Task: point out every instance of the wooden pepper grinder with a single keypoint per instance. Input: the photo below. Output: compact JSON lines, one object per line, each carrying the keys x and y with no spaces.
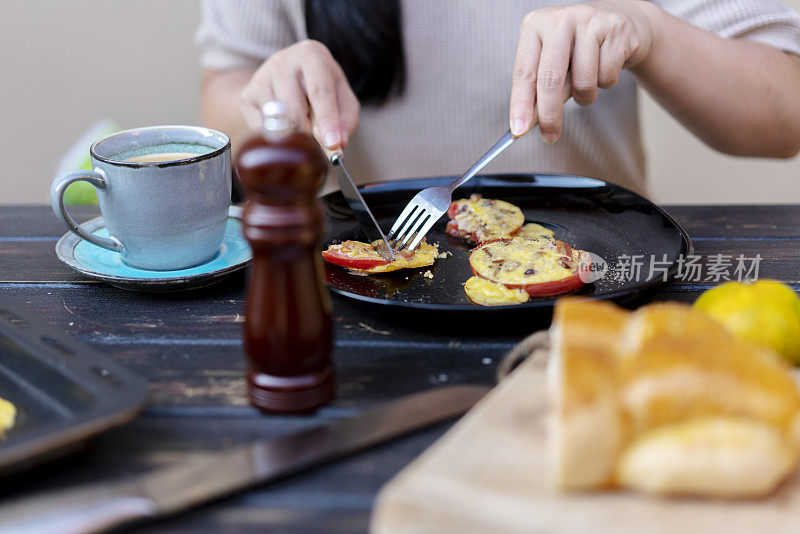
{"x":287,"y":326}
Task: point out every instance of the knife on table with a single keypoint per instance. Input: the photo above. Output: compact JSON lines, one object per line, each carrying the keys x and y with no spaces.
{"x":360,"y":209}
{"x":169,"y":490}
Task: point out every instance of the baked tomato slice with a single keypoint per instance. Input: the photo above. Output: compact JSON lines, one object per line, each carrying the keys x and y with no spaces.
{"x":541,"y":267}
{"x":353,"y":255}
{"x":479,"y":219}
{"x":556,"y":287}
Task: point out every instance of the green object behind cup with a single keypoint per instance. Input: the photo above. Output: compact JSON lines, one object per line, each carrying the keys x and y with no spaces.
{"x":80,"y":194}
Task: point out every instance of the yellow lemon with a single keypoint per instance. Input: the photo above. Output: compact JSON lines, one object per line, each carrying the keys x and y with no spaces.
{"x":765,"y":313}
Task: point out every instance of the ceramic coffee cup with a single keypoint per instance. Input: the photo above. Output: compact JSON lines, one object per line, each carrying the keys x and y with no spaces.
{"x":161,"y":215}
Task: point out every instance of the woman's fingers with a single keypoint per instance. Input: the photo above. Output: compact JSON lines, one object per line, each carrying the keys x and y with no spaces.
{"x":287,"y":89}
{"x":552,"y":75}
{"x":349,"y":108}
{"x":320,"y":87}
{"x":306,"y":78}
{"x":572,"y":50}
{"x":612,"y":59}
{"x":584,"y":67}
{"x":254,"y":96}
{"x":523,"y":80}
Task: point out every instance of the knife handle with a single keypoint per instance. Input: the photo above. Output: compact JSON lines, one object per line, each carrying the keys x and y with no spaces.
{"x":96,"y":508}
{"x":332,"y":155}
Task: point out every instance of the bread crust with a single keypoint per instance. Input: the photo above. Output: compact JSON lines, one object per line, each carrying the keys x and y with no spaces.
{"x":663,"y":400}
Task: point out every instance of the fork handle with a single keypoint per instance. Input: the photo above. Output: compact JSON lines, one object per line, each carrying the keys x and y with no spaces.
{"x":504,"y":142}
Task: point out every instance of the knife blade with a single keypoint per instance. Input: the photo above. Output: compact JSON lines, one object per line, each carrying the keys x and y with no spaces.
{"x":360,"y":209}
{"x":169,"y":490}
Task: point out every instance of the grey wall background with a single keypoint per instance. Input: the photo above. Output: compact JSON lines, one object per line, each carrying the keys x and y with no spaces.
{"x":66,"y":64}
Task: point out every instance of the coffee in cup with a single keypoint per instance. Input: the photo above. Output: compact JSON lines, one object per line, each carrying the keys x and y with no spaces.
{"x":160,"y":157}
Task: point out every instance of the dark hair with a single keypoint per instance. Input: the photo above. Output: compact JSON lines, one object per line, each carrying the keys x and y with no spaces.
{"x":365,"y":38}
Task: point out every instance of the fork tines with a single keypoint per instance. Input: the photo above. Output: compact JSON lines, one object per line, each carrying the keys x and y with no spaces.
{"x":414,"y":222}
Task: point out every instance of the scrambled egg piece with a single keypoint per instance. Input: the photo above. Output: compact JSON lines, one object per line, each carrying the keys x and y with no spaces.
{"x":8,"y":415}
{"x":487,"y":293}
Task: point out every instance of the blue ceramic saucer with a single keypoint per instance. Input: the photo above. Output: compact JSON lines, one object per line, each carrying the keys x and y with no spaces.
{"x":101,"y":264}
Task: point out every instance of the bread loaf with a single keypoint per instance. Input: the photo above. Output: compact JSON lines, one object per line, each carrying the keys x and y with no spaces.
{"x":663,"y":400}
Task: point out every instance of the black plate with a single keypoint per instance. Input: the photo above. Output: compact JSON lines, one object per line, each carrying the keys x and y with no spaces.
{"x":64,"y":391}
{"x":593,"y":215}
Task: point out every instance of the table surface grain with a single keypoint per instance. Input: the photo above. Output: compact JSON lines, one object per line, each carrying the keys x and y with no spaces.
{"x":189,"y":347}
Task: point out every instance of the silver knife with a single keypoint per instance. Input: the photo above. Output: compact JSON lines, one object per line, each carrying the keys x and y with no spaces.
{"x":168,"y":490}
{"x":360,"y":209}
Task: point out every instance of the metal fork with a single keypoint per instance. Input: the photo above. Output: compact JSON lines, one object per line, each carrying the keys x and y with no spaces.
{"x":430,"y":204}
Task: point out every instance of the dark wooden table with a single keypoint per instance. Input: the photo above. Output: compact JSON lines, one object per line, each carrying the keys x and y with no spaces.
{"x":189,"y":347}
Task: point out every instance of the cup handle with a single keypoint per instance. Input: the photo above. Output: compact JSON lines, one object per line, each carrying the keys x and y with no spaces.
{"x":60,"y":185}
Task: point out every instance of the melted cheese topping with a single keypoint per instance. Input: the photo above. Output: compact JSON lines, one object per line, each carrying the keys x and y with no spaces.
{"x":487,"y":219}
{"x":8,"y":414}
{"x":522,"y":261}
{"x":357,"y":250}
{"x":423,"y":256}
{"x":486,"y":293}
{"x":535,"y":231}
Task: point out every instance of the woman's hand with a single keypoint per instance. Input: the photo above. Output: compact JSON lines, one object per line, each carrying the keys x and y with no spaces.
{"x":308,"y":80}
{"x":592,"y":42}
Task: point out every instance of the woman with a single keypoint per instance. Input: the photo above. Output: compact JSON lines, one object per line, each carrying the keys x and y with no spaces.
{"x":420,"y":88}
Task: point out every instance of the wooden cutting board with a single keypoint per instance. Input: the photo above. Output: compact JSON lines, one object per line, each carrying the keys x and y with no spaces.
{"x":486,"y":475}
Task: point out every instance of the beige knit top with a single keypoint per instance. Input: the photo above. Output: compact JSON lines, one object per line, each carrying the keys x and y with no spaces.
{"x":459,"y":57}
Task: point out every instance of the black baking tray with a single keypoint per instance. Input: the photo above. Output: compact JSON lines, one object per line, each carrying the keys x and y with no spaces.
{"x":590,"y":214}
{"x":65,"y":392}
